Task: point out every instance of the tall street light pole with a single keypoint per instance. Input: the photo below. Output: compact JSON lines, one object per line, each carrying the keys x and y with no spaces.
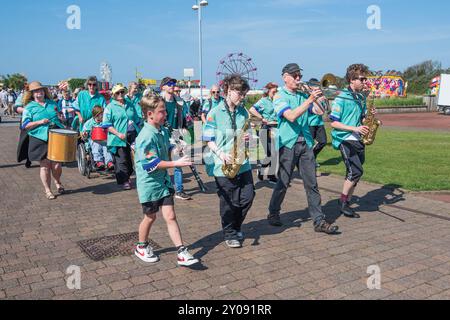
{"x":198,"y":7}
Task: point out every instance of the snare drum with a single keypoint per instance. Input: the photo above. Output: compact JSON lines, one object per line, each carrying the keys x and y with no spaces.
{"x":62,"y":145}
{"x":99,"y":134}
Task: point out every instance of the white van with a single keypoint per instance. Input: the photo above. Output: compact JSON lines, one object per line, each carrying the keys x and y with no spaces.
{"x":444,"y":94}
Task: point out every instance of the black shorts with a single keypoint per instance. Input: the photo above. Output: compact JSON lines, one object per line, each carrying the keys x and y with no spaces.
{"x":152,"y":207}
{"x":353,"y":154}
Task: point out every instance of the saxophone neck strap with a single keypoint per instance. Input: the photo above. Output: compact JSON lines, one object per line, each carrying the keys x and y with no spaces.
{"x":232,"y":116}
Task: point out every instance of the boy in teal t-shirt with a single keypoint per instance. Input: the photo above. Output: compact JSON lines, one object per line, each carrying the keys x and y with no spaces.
{"x":222,"y":130}
{"x":347,"y":112}
{"x":154,"y":187}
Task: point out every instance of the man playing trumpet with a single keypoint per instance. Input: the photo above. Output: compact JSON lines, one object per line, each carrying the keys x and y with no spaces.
{"x":295,"y":144}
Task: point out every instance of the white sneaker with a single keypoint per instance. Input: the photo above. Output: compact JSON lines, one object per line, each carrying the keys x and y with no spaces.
{"x":233,"y":243}
{"x":184,"y":258}
{"x":146,"y":254}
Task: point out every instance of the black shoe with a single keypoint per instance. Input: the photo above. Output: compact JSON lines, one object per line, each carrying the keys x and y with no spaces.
{"x":274,"y":220}
{"x":260,"y":176}
{"x":347,"y":211}
{"x":182,"y":196}
{"x":28,"y":164}
{"x":325,"y":227}
{"x":273,"y":180}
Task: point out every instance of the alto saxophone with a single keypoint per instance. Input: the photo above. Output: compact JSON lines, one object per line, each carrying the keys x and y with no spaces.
{"x":239,"y":154}
{"x":371,"y":122}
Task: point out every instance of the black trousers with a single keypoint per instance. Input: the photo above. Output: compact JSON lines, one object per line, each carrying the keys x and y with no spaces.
{"x":236,"y":198}
{"x":122,"y":164}
{"x":320,"y":135}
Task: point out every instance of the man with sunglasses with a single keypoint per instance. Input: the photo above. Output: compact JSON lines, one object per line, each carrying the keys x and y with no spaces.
{"x":347,"y":112}
{"x":295,"y":144}
{"x":211,"y":103}
{"x":177,"y":110}
{"x":88,"y":99}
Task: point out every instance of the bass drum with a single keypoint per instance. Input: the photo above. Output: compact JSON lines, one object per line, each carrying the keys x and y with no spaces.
{"x":62,"y":145}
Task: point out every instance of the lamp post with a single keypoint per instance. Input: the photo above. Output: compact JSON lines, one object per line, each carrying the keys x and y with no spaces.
{"x":198,"y":7}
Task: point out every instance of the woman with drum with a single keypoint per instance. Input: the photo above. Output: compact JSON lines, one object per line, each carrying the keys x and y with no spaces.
{"x":264,"y":111}
{"x":39,"y":115}
{"x":122,"y":119}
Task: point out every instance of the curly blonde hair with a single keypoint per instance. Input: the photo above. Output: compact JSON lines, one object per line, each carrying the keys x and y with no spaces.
{"x":28,"y":97}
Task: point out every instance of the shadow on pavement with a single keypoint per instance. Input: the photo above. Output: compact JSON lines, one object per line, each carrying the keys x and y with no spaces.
{"x":370,"y":202}
{"x":252,"y":231}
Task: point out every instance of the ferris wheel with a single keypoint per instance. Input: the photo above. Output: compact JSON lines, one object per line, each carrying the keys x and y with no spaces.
{"x":237,"y":63}
{"x":106,"y":71}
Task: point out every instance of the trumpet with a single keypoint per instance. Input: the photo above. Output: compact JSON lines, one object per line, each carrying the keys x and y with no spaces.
{"x":329,"y":89}
{"x":309,"y":87}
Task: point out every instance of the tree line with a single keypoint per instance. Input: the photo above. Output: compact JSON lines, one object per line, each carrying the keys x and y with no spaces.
{"x":418,"y":77}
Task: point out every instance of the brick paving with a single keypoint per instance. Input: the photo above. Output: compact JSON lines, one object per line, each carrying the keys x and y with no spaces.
{"x":39,"y":242}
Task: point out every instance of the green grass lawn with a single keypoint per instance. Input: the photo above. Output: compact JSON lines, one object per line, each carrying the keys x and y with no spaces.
{"x":413,"y":160}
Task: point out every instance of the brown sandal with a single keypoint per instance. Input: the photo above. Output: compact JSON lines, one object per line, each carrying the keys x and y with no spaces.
{"x":60,"y":189}
{"x":50,"y":196}
{"x":326,"y":227}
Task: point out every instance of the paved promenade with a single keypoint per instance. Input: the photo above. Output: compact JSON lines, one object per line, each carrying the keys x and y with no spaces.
{"x":406,"y":236}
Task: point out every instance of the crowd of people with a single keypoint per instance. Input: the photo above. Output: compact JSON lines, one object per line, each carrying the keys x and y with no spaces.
{"x":139,"y":127}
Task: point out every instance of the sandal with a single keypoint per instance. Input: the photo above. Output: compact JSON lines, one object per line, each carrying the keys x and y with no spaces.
{"x":50,"y":196}
{"x":325,"y":227}
{"x":60,"y":189}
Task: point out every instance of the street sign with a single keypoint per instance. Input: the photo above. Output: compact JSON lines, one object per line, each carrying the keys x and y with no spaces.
{"x":188,"y":73}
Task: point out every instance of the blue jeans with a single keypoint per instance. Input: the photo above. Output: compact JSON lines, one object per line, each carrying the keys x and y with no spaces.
{"x":178,"y":179}
{"x":100,"y":152}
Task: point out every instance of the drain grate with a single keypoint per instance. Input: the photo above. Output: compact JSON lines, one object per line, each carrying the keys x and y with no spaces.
{"x":112,"y":246}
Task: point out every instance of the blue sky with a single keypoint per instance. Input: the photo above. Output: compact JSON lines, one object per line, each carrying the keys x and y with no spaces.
{"x":161,"y":37}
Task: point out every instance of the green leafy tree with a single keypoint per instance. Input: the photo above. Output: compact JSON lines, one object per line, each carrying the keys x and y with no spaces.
{"x":76,"y":83}
{"x":420,"y":75}
{"x":14,"y":81}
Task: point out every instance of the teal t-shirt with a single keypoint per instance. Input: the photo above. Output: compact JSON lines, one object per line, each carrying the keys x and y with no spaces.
{"x":347,"y":112}
{"x":34,"y":112}
{"x":289,"y":132}
{"x":91,"y":123}
{"x":218,"y":128}
{"x":86,"y":103}
{"x":265,"y":108}
{"x":119,"y":117}
{"x":135,"y":101}
{"x":210,"y":104}
{"x":152,"y":147}
{"x":315,"y":120}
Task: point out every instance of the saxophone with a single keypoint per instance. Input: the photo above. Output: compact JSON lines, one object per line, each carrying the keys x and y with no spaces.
{"x":372,"y":122}
{"x":239,"y":154}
